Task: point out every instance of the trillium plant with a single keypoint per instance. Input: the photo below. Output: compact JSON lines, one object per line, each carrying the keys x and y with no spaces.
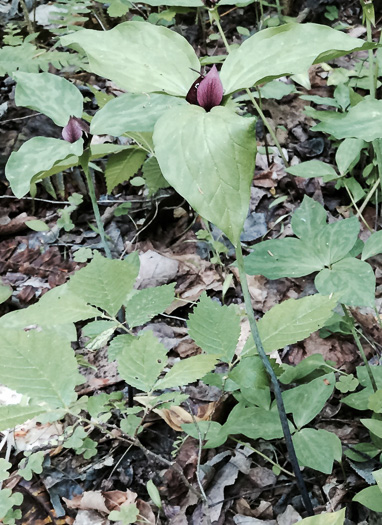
{"x":205,"y":149}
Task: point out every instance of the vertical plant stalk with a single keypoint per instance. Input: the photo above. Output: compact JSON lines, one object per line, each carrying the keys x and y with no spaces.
{"x":27,"y":17}
{"x":275,"y":384}
{"x":84,"y":161}
{"x":360,"y":348}
{"x":216,"y":18}
{"x":371,"y":59}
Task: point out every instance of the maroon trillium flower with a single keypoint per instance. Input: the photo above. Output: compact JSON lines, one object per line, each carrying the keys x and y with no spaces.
{"x":206,"y":91}
{"x":74,"y":129}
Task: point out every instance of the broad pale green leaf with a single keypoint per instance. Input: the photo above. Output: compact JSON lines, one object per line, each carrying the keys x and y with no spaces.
{"x":212,"y":431}
{"x":5,"y":292}
{"x":361,"y":122}
{"x":13,"y":415}
{"x":359,"y":400}
{"x":287,"y":257}
{"x":122,"y":166}
{"x":374,"y":425}
{"x":42,"y":366}
{"x":153,"y":176}
{"x":353,"y":280}
{"x":294,"y":320}
{"x":328,"y":518}
{"x":335,"y":241}
{"x":54,"y":313}
{"x":209,"y":159}
{"x":139,"y":57}
{"x":141,"y":361}
{"x":304,"y":368}
{"x":187,"y":371}
{"x":145,"y":304}
{"x":306,"y":401}
{"x":105,"y":283}
{"x":309,"y":218}
{"x":254,"y":422}
{"x":317,"y":449}
{"x":370,"y":497}
{"x":132,"y":112}
{"x":267,"y":54}
{"x":373,"y":245}
{"x":36,"y":155}
{"x":348,"y":154}
{"x":314,"y":168}
{"x":49,"y":94}
{"x":215,"y":328}
{"x":37,"y":225}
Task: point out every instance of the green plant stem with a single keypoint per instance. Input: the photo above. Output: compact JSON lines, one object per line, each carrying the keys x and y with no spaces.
{"x":215,"y":16}
{"x":26,"y":16}
{"x":371,"y":60}
{"x":276,"y":387}
{"x":264,"y":456}
{"x":360,"y":349}
{"x":84,"y":161}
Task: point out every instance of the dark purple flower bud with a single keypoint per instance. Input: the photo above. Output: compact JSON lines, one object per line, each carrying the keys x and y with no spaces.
{"x":74,"y":129}
{"x":192,"y":97}
{"x":210,"y":90}
{"x":210,"y":3}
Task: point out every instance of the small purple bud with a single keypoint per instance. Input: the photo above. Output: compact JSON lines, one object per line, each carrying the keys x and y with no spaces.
{"x":192,"y":93}
{"x":210,"y":3}
{"x":210,"y":91}
{"x":74,"y":129}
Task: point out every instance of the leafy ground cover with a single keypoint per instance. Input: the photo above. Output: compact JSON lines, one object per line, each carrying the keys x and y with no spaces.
{"x":189,"y":254}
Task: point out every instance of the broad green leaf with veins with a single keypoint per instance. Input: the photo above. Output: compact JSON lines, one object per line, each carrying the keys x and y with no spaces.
{"x":139,"y":57}
{"x":13,"y":415}
{"x":209,"y":159}
{"x":36,"y":155}
{"x":49,"y":94}
{"x":285,"y":50}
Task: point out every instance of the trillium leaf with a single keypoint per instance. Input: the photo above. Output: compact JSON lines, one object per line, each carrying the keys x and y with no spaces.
{"x":309,"y":218}
{"x":267,"y":54}
{"x":352,"y":279}
{"x":49,"y":94}
{"x":373,"y":245}
{"x":132,"y":112}
{"x":139,"y":57}
{"x":361,"y":122}
{"x":209,"y":159}
{"x":34,"y":156}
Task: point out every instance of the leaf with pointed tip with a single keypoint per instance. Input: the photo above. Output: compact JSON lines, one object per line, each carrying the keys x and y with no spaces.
{"x":13,"y":415}
{"x":187,"y":371}
{"x":105,"y":283}
{"x":36,"y":155}
{"x":132,"y":112}
{"x":373,"y":245}
{"x":313,"y":168}
{"x":309,"y":218}
{"x":317,"y":449}
{"x":139,"y":57}
{"x":145,"y":304}
{"x":209,"y":159}
{"x":49,"y":94}
{"x":122,"y":166}
{"x":267,"y":54}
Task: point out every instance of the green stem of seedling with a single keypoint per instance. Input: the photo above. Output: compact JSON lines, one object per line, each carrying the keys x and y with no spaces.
{"x":264,"y":456}
{"x":371,"y":60}
{"x":215,"y":16}
{"x":84,"y":161}
{"x":360,"y":349}
{"x":276,"y":387}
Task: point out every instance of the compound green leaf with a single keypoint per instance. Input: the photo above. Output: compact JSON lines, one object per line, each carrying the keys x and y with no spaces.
{"x":105,"y":283}
{"x":317,"y":449}
{"x":187,"y":371}
{"x":313,"y":168}
{"x":373,"y":245}
{"x":215,"y":328}
{"x":122,"y":166}
{"x":132,"y":112}
{"x":141,"y":361}
{"x":335,"y":241}
{"x":370,"y":497}
{"x":54,"y":313}
{"x":145,"y":304}
{"x":294,"y":320}
{"x":309,"y":218}
{"x":13,"y":415}
{"x":267,"y":54}
{"x":139,"y":57}
{"x":287,"y":257}
{"x":328,"y":518}
{"x":361,"y":122}
{"x":353,"y":280}
{"x":209,"y":159}
{"x":306,"y":401}
{"x":49,"y":94}
{"x":36,"y":155}
{"x":42,"y":366}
